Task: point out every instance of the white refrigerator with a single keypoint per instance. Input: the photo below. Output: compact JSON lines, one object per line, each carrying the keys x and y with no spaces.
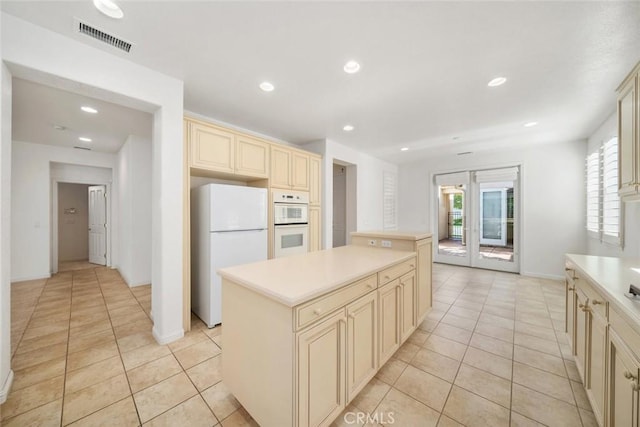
{"x":228,"y":227}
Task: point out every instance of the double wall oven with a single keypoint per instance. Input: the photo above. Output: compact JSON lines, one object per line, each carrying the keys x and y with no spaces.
{"x":291,"y":227}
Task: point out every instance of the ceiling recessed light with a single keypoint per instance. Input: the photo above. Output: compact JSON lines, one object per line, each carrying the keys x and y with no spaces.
{"x":530,"y":124}
{"x":267,"y":87}
{"x":351,"y":67}
{"x":348,"y":128}
{"x":109,"y":8}
{"x":84,"y":139}
{"x":497,"y":81}
{"x":88,"y":109}
{"x":404,"y":149}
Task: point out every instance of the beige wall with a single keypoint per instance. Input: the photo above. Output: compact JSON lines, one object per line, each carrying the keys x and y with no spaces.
{"x":73,"y":229}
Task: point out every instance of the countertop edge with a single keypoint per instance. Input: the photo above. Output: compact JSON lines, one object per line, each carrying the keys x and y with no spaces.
{"x":630,"y":315}
{"x":291,"y":303}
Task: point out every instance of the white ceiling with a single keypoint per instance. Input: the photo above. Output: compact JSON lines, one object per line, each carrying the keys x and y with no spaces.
{"x":37,"y":108}
{"x":425,"y":66}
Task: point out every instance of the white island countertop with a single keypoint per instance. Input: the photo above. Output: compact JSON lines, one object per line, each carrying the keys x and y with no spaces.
{"x":296,"y":279}
{"x":400,"y":235}
{"x":613,"y":276}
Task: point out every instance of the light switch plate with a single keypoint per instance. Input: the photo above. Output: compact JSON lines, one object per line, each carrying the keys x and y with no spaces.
{"x":386,"y":243}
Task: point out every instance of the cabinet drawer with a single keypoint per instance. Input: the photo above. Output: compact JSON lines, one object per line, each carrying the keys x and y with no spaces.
{"x":385,"y":276}
{"x":596,"y":302}
{"x":311,"y":311}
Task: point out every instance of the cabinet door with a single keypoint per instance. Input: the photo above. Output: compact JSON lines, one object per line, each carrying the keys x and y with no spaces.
{"x":280,"y":167}
{"x":570,"y":313}
{"x":407,"y":313}
{"x":211,"y":148}
{"x":299,"y":171}
{"x":362,"y":343}
{"x":628,"y":136}
{"x":623,"y":384}
{"x":597,"y":364}
{"x":423,"y":272}
{"x":315,"y":181}
{"x":315,"y":229}
{"x":582,"y":333}
{"x":388,"y":301}
{"x":321,"y":372}
{"x":252,"y":157}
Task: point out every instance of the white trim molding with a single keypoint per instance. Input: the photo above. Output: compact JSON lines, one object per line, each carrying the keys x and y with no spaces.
{"x":167,"y":338}
{"x":6,"y":387}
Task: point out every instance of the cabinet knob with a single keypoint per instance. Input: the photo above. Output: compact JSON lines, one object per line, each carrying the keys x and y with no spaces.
{"x":580,"y":305}
{"x":369,"y":286}
{"x":596,"y":302}
{"x":386,"y":277}
{"x":317,"y":311}
{"x":412,"y":266}
{"x":571,"y":289}
{"x":628,"y":375}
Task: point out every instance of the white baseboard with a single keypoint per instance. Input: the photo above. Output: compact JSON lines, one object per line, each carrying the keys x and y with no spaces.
{"x":162,"y":340}
{"x":36,"y":277}
{"x":6,"y":387}
{"x":542,"y":275}
{"x":142,"y":283}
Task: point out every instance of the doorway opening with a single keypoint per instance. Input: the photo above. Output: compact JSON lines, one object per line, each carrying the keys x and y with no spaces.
{"x":477,"y":218}
{"x":344,"y":202}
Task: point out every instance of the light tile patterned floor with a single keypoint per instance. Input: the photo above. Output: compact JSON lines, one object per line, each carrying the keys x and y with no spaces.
{"x":492,"y":352}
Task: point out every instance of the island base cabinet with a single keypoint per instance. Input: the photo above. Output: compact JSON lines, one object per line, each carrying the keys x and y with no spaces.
{"x":581,"y":334}
{"x":623,"y":384}
{"x":362,"y":343}
{"x":389,"y":301}
{"x":321,"y":372}
{"x":424,"y":276}
{"x":408,"y":306}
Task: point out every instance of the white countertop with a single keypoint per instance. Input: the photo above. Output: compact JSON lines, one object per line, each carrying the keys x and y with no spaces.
{"x":400,"y":235}
{"x":296,"y":279}
{"x":613,"y":276}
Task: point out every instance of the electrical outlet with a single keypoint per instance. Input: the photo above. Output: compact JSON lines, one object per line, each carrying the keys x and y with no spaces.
{"x":372,"y":242}
{"x":386,"y":243}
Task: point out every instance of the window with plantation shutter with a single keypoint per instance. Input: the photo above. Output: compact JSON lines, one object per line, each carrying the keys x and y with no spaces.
{"x":610,"y":198}
{"x":389,"y":190}
{"x":593,"y":193}
{"x":604,"y":220}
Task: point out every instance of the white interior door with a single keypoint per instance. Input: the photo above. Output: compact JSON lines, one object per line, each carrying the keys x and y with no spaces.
{"x":98,"y":224}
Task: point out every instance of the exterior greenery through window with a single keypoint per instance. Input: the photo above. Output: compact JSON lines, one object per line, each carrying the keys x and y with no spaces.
{"x":604,"y":221}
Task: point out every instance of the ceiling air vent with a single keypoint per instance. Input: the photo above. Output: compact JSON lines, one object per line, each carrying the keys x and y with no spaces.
{"x":104,"y":37}
{"x":81,"y":148}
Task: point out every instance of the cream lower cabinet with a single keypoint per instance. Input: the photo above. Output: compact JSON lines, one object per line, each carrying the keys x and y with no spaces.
{"x":623,"y":384}
{"x":389,"y":300}
{"x":407,"y":320}
{"x":424,"y":249}
{"x":581,"y":333}
{"x":362,"y":343}
{"x":570,"y":312}
{"x":596,"y":363}
{"x":321,"y":371}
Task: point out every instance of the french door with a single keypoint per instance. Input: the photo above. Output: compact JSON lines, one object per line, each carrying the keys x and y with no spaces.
{"x":477,"y":218}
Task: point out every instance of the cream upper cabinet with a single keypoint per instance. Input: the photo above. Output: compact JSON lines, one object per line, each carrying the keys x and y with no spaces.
{"x":289,"y":169}
{"x":362,"y":343}
{"x":280,"y":167}
{"x":252,"y":157}
{"x":211,"y":148}
{"x":629,"y":137}
{"x":315,"y":229}
{"x":299,"y":171}
{"x":315,"y":180}
{"x":321,"y":370}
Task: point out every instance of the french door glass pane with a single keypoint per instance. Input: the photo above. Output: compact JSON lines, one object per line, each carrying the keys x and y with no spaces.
{"x":492,"y":215}
{"x":452,"y":239}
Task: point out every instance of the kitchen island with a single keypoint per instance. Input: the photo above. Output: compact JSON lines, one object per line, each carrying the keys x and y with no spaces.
{"x":304,"y":334}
